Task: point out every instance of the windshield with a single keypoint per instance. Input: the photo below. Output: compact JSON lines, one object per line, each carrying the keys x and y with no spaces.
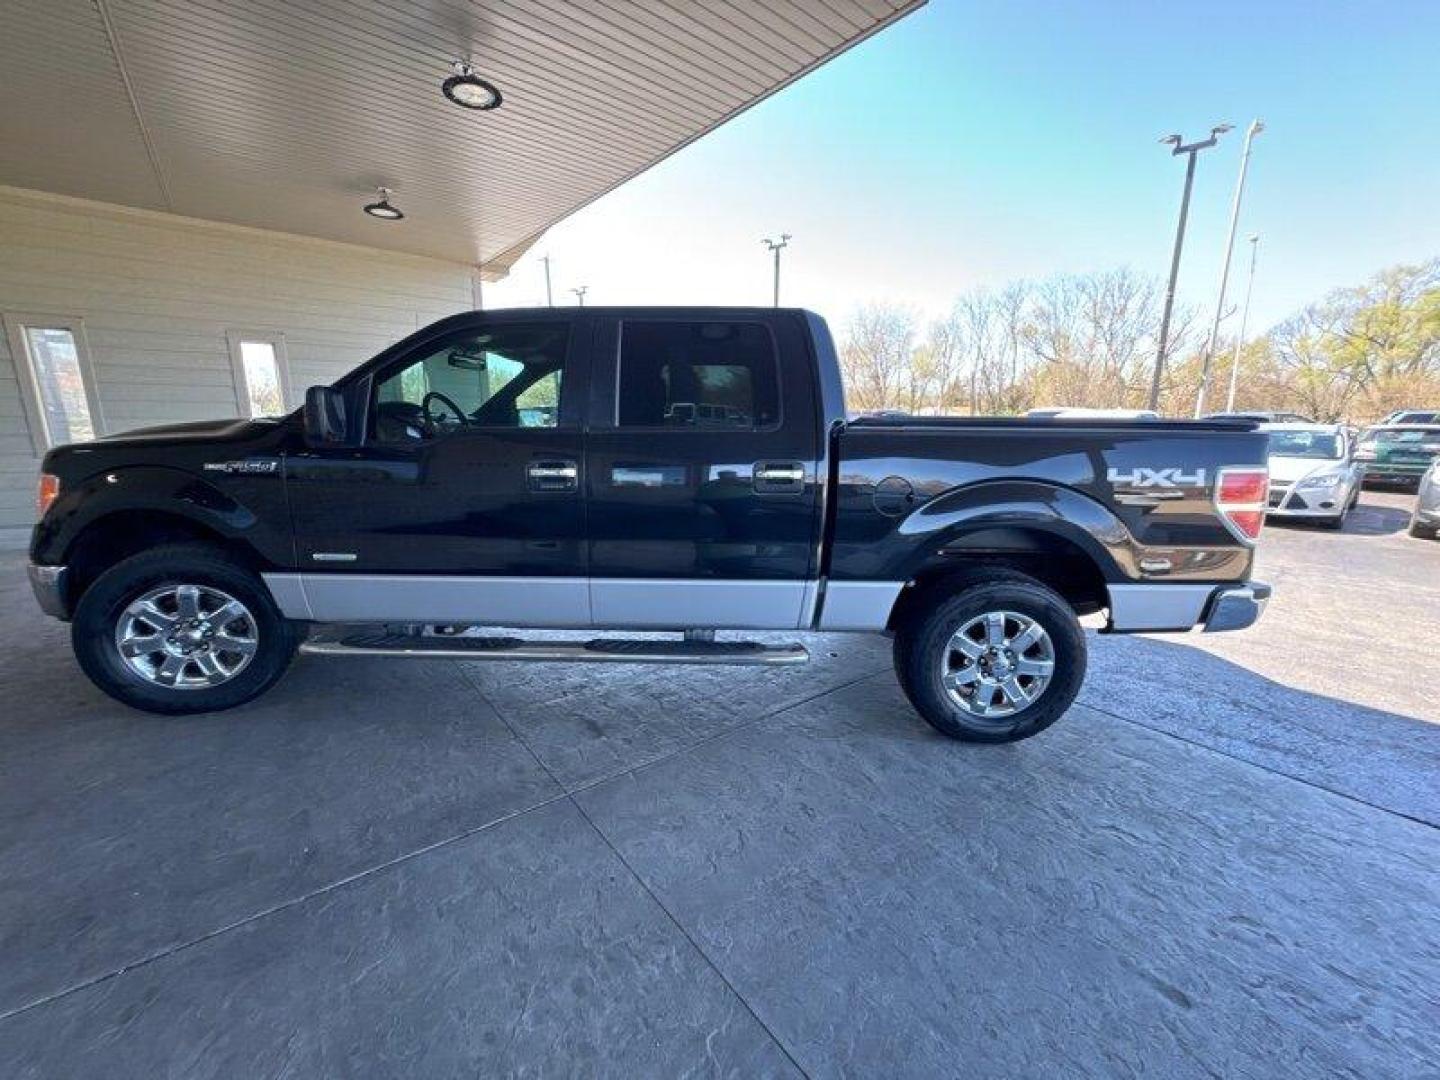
{"x":1306,"y":444}
{"x":1393,"y":436}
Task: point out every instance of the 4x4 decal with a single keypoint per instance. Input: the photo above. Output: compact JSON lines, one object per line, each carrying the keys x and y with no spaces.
{"x":1155,"y":478}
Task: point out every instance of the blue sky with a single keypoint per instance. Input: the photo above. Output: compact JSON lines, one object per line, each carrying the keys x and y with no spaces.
{"x":977,"y":142}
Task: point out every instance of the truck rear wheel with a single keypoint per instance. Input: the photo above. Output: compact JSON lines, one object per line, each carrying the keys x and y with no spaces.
{"x":999,"y":660}
{"x":181,"y":629}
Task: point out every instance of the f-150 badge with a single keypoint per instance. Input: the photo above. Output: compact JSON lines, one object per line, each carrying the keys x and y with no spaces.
{"x":1156,"y":478}
{"x":250,"y":466}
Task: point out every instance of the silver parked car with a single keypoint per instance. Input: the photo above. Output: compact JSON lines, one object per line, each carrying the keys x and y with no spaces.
{"x":1313,"y":473}
{"x":1425,"y":518}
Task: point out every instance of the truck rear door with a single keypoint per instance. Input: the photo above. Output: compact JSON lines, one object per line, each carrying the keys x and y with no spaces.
{"x":701,"y":468}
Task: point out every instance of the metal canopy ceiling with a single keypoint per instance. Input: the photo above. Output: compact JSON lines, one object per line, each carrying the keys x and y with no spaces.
{"x":288,"y":114}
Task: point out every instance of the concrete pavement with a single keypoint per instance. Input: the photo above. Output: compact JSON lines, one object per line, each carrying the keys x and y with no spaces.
{"x":1223,"y":862}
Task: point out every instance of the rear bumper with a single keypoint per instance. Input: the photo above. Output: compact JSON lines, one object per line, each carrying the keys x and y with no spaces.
{"x":1157,"y":607}
{"x":48,"y":585}
{"x":1236,"y":608}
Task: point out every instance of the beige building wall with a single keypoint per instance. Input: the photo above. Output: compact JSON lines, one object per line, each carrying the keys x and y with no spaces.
{"x":159,"y":299}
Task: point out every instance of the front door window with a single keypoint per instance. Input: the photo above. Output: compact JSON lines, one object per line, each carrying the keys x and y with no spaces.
{"x":506,"y":377}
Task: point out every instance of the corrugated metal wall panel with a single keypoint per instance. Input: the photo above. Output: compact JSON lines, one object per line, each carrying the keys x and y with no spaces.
{"x":287,"y":114}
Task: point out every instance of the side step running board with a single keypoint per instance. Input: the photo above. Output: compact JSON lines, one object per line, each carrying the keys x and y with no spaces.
{"x":602,"y":650}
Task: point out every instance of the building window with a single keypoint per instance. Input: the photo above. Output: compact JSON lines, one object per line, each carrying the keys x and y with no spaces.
{"x":56,"y":380}
{"x":261,"y":380}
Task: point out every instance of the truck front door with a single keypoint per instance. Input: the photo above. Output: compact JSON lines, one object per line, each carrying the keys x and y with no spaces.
{"x":465,"y":503}
{"x":701,"y":463}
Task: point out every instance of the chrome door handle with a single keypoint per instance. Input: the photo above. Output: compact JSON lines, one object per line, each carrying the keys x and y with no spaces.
{"x":778,"y":477}
{"x":553,"y":475}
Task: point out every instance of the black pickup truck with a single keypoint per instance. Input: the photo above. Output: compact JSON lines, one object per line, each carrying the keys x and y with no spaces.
{"x":640,"y":469}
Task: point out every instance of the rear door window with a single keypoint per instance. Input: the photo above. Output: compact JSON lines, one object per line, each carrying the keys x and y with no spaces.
{"x":686,"y":375}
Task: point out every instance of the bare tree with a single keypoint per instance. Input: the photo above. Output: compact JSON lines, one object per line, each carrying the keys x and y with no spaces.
{"x":1089,"y":340}
{"x":946,"y":347}
{"x":1096,"y":332}
{"x":876,"y":357}
{"x":1012,"y":310}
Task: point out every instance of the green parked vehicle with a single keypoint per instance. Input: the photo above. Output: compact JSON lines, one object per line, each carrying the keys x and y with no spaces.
{"x":1398,"y":454}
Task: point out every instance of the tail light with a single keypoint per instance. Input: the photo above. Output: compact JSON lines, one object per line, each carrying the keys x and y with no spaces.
{"x":46,"y":493}
{"x":1240,"y":496}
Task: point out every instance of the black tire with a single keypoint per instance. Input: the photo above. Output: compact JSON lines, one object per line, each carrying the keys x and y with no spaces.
{"x":922,"y":644}
{"x":104,"y":603}
{"x":1422,"y":532}
{"x":1336,"y":523}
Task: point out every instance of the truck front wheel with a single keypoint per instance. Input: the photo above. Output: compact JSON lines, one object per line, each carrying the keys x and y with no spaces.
{"x":181,"y":629}
{"x":997,"y":659}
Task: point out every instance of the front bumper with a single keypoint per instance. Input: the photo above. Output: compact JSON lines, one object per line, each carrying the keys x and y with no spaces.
{"x":1394,"y":474}
{"x":1288,"y":501}
{"x":48,"y":584}
{"x":1306,"y":512}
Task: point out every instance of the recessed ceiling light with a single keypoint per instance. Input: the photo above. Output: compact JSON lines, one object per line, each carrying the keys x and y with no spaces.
{"x":382,"y":209}
{"x":468,"y":90}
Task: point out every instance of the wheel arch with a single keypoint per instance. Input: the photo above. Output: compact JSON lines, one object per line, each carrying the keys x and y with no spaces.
{"x":118,"y":534}
{"x":1062,"y":538}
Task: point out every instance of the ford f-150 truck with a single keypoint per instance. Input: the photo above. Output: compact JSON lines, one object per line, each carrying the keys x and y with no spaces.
{"x":676,"y":471}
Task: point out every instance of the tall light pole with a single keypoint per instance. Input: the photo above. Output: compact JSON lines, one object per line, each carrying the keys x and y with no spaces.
{"x":777,"y":246}
{"x":1244,"y":319}
{"x":1178,"y":147}
{"x":549,"y":299}
{"x":1256,"y":126}
{"x":580,"y":292}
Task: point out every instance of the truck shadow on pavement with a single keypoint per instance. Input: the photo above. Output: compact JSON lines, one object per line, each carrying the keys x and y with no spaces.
{"x":1384,"y":759}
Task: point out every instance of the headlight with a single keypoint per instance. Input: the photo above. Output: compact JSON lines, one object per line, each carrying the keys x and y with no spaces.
{"x":1324,"y":480}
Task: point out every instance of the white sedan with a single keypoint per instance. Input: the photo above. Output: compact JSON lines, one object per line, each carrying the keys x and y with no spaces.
{"x":1313,"y":473}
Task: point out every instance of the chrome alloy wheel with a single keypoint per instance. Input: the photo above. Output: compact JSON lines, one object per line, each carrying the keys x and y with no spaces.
{"x":997,"y":664}
{"x":186,"y":637}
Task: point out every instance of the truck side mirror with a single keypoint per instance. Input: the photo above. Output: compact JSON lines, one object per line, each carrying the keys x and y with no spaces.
{"x":324,"y":416}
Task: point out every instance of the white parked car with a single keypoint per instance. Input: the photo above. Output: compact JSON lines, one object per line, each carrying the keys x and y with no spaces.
{"x":1313,"y":472}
